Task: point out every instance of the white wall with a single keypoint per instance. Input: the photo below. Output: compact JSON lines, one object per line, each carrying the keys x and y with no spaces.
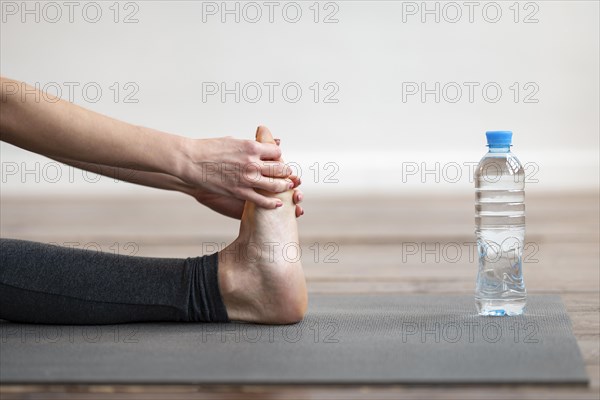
{"x":372,"y":135}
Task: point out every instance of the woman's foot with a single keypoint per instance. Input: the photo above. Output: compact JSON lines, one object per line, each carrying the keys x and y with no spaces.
{"x":260,"y":274}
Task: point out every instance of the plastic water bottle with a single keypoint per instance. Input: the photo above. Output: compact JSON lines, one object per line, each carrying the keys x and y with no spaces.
{"x":500,"y":221}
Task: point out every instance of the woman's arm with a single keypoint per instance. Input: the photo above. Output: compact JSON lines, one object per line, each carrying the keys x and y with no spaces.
{"x":62,"y":130}
{"x":229,"y":206}
{"x":56,"y":128}
{"x":156,"y":180}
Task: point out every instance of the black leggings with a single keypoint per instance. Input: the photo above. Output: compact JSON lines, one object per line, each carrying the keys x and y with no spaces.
{"x":43,"y":283}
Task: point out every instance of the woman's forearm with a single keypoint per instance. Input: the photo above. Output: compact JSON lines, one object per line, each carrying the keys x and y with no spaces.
{"x":59,"y":129}
{"x":156,"y":180}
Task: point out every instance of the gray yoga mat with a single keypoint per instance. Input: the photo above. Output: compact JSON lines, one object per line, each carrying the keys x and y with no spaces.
{"x":343,"y":339}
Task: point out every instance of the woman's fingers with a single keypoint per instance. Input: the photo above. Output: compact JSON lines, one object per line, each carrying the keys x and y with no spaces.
{"x":269,"y":151}
{"x":296,"y":180}
{"x":271,"y":176}
{"x":274,"y":185}
{"x":260,"y":200}
{"x":298,"y":197}
{"x":275,"y":169}
{"x":271,"y":202}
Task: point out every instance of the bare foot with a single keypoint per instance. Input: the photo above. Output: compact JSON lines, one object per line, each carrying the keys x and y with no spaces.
{"x":260,"y":274}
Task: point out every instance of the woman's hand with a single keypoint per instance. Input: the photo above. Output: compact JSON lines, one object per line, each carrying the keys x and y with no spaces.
{"x":232,"y":207}
{"x":228,"y":167}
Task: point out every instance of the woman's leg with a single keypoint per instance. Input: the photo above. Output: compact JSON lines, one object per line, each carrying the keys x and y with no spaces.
{"x":42,"y":283}
{"x":258,"y":278}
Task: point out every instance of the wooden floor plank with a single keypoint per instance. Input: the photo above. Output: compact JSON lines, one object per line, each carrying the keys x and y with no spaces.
{"x":499,"y":392}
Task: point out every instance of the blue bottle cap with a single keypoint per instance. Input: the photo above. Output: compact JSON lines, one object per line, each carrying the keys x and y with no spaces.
{"x":499,"y":138}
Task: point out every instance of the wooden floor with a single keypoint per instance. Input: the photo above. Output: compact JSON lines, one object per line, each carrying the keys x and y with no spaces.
{"x":366,"y":244}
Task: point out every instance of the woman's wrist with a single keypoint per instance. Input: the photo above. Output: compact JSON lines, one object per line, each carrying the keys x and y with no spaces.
{"x":173,"y":156}
{"x":187,"y":152}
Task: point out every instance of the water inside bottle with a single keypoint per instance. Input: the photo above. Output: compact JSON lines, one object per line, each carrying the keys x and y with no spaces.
{"x":500,"y":220}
